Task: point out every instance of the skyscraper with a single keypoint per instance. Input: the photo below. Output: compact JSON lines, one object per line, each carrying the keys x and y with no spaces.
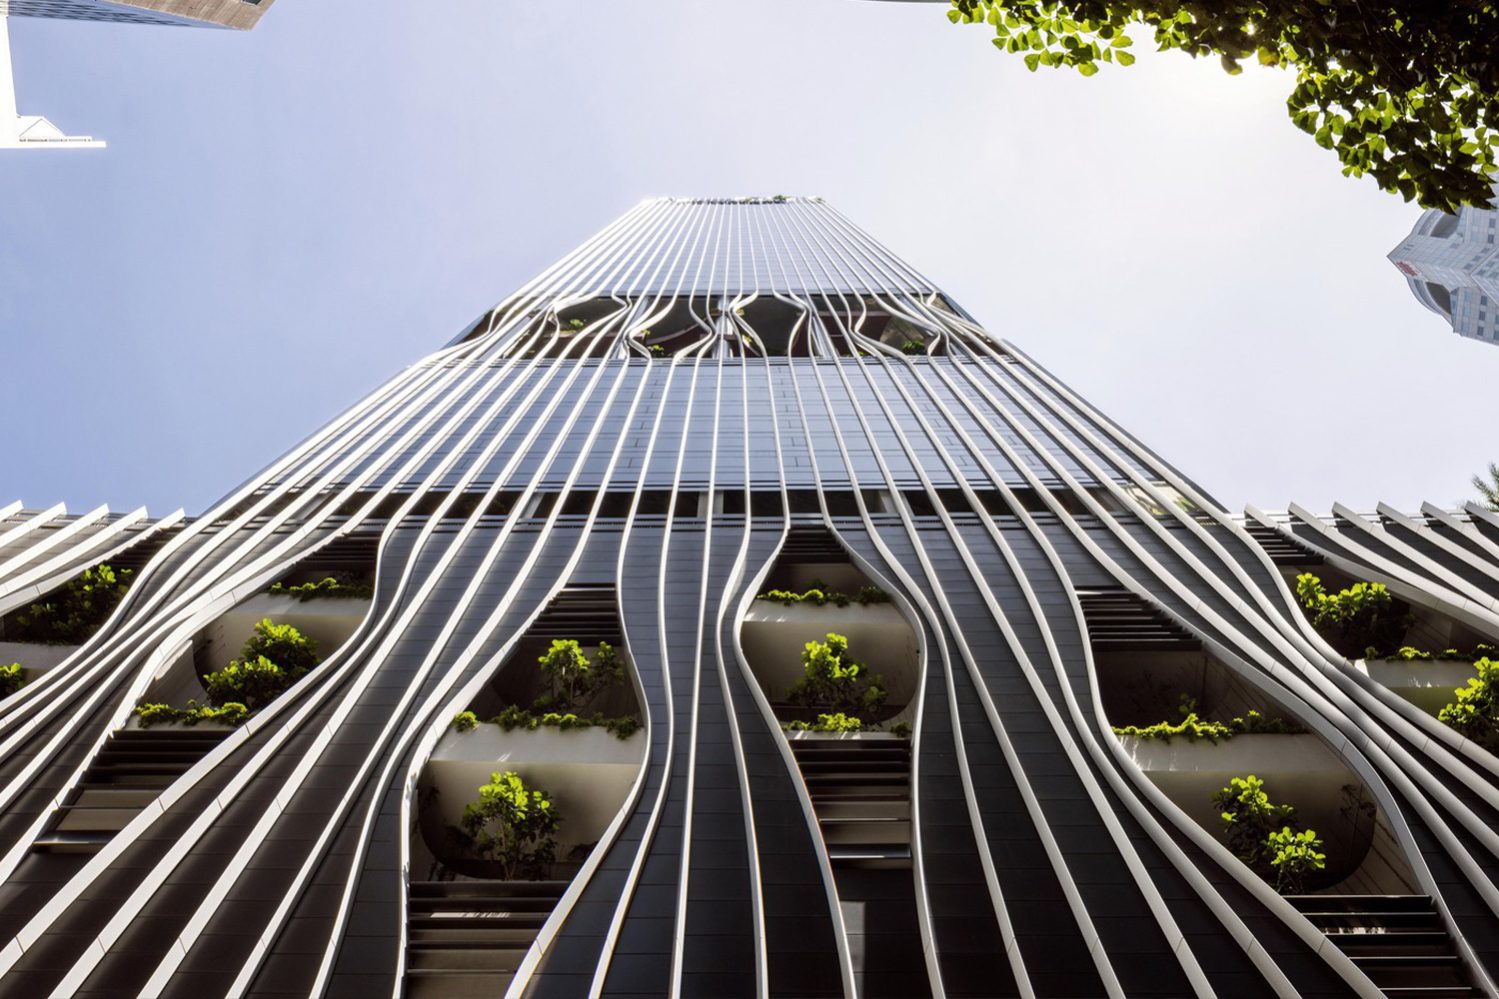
{"x":18,"y":131}
{"x":1452,"y":265}
{"x":805,"y":637}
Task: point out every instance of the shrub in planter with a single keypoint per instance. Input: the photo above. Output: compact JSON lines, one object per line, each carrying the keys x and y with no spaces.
{"x":12,"y":679}
{"x":283,"y":645}
{"x":1352,"y":620}
{"x":75,"y":612}
{"x":914,"y":347}
{"x":835,"y":682}
{"x":513,"y":825}
{"x":327,"y":588}
{"x":1475,"y":711}
{"x":1262,"y":835}
{"x":574,"y":679}
{"x":837,"y":722}
{"x":232,"y":713}
{"x":251,"y":682}
{"x":1294,"y":856}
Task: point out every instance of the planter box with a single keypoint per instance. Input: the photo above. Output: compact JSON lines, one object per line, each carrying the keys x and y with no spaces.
{"x":845,"y":736}
{"x":1426,"y":683}
{"x":773,"y":636}
{"x":1299,"y":770}
{"x":35,"y":659}
{"x":587,"y":771}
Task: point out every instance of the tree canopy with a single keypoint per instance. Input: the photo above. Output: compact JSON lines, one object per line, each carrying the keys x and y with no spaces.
{"x":1404,"y":91}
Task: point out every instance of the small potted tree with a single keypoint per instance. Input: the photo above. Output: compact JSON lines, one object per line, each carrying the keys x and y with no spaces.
{"x":513,"y":827}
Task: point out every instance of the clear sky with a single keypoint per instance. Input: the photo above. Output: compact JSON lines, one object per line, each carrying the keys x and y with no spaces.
{"x":284,"y":218}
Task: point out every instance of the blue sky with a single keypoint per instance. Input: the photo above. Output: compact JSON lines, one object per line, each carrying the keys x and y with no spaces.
{"x":286,"y":217}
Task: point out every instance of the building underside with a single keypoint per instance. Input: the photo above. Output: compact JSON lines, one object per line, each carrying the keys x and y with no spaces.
{"x":709,"y":401}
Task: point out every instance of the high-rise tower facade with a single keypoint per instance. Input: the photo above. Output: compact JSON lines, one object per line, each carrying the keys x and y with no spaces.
{"x":727,"y":612}
{"x":222,"y":13}
{"x":1452,"y":265}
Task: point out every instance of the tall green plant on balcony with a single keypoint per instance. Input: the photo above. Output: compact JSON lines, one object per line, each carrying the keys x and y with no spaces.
{"x":1265,"y":836}
{"x":834,"y":682}
{"x":1353,"y":620}
{"x":513,"y":825}
{"x":73,"y":613}
{"x":1474,"y":711}
{"x":574,"y":679}
{"x":12,"y":679}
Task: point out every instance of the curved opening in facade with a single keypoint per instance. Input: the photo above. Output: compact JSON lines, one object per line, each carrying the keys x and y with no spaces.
{"x":814,"y":592}
{"x":1202,"y":734}
{"x":40,"y":635}
{"x":518,"y":792}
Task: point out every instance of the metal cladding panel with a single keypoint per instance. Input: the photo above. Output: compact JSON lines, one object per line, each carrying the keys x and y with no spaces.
{"x":710,"y":399}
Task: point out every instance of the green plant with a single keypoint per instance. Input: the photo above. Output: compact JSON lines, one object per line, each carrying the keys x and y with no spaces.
{"x":327,"y":588}
{"x":1249,"y":817}
{"x":914,"y":347}
{"x":514,"y":716}
{"x":1193,"y":728}
{"x":1405,"y":92}
{"x":574,"y":679}
{"x":463,"y":721}
{"x":819,"y":594}
{"x":12,"y":679}
{"x":275,"y":657}
{"x":1411,"y":654}
{"x":232,"y":713}
{"x":1474,"y":712}
{"x":901,"y":730}
{"x":513,"y":825}
{"x":283,"y":645}
{"x":1352,"y":620}
{"x":836,"y":722}
{"x":834,"y":681}
{"x":251,"y":682}
{"x":74,"y":612}
{"x":1293,"y":855}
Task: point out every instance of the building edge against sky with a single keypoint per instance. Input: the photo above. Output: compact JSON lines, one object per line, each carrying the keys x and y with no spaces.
{"x":666,"y":444}
{"x":18,"y":131}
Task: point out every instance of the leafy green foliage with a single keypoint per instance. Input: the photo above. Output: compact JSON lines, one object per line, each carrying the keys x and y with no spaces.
{"x":283,"y":645}
{"x":819,"y":594}
{"x":1475,"y":711}
{"x":1193,"y":728}
{"x":1249,"y":817}
{"x":912,"y":347}
{"x":463,"y":721}
{"x":1405,"y":91}
{"x":574,"y":679}
{"x":1294,"y":855}
{"x":834,"y":681}
{"x":514,"y":825}
{"x":514,"y":716}
{"x":327,"y":588}
{"x":232,"y":713}
{"x":836,"y":722}
{"x":1352,"y":620}
{"x":275,"y":657}
{"x":74,"y":612}
{"x":12,"y":679}
{"x":901,"y":730}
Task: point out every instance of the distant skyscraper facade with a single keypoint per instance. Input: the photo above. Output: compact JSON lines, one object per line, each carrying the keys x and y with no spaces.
{"x":1452,"y":265}
{"x":224,"y":13}
{"x":34,"y":132}
{"x":729,"y":613}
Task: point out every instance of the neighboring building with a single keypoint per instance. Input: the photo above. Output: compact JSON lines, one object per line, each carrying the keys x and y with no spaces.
{"x":18,"y":131}
{"x":1452,"y":265}
{"x":221,"y":13}
{"x":709,"y":401}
